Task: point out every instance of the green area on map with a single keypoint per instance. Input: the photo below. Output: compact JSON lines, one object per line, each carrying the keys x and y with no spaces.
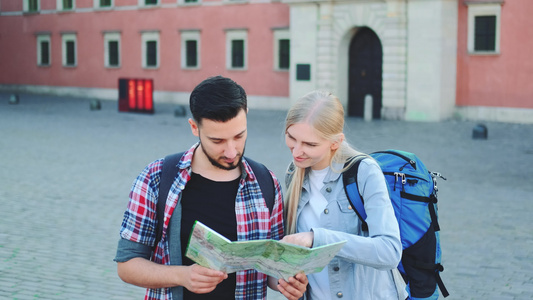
{"x":280,"y":260}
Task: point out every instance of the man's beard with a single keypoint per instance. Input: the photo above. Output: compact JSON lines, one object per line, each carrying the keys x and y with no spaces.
{"x":215,"y":163}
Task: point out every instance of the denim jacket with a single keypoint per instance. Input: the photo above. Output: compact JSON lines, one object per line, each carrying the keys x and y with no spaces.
{"x":362,"y":268}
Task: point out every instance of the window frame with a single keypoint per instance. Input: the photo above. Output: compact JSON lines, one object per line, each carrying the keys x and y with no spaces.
{"x":26,"y":6}
{"x":142,"y":3}
{"x":148,"y":36}
{"x":189,"y":2}
{"x":190,"y":35}
{"x":43,"y":37}
{"x":61,"y":5}
{"x":65,"y":38}
{"x":97,"y":4}
{"x":479,"y":10}
{"x":279,"y":35}
{"x":235,"y":35}
{"x":113,"y":36}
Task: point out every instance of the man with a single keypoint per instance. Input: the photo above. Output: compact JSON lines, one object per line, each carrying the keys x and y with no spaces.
{"x":214,"y":185}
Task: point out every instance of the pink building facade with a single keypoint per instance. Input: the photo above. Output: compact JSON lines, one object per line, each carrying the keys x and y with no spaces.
{"x":438,"y":59}
{"x":84,"y":48}
{"x":494,"y":80}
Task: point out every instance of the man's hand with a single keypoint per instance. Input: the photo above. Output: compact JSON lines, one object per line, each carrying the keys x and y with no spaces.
{"x":295,"y":288}
{"x":202,"y":280}
{"x":303,"y":239}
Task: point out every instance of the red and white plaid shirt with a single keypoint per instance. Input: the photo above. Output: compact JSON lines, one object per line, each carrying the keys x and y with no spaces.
{"x":254,"y":221}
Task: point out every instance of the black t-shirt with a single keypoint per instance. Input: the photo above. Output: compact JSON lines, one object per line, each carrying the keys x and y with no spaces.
{"x":212,"y":203}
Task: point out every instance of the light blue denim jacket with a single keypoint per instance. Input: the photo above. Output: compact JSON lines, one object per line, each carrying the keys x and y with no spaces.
{"x":362,"y":268}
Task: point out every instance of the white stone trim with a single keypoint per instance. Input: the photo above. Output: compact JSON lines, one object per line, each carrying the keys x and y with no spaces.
{"x":280,"y":34}
{"x":179,"y":98}
{"x":60,"y":7}
{"x":45,"y":37}
{"x":109,"y":37}
{"x":190,"y":35}
{"x":483,"y":9}
{"x":236,"y":34}
{"x":69,"y":37}
{"x":96,"y":5}
{"x":494,"y":114}
{"x":146,"y":37}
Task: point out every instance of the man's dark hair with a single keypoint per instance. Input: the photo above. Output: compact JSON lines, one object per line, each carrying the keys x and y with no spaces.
{"x":217,"y":98}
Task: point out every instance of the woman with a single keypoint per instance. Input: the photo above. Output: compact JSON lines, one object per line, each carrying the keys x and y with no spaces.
{"x":318,"y":211}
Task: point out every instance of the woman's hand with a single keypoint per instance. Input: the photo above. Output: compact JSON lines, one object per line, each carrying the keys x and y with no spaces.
{"x":295,"y":288}
{"x":303,"y":239}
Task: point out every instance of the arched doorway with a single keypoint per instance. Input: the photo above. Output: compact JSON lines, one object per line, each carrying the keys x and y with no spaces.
{"x":365,"y":72}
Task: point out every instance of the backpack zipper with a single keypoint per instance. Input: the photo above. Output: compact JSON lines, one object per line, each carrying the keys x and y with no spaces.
{"x":407,"y":159}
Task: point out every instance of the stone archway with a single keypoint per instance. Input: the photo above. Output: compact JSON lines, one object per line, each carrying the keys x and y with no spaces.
{"x":365,"y":69}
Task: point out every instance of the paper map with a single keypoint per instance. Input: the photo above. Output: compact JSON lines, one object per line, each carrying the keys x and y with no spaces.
{"x":280,"y":260}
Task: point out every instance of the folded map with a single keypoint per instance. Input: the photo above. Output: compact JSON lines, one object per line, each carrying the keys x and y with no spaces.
{"x":281,"y":260}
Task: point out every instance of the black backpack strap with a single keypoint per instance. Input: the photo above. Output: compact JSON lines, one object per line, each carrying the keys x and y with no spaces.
{"x":349,"y":178}
{"x":266,"y":183}
{"x":168,"y":174}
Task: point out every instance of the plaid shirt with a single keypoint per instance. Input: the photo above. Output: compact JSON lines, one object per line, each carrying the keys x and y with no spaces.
{"x":254,"y":221}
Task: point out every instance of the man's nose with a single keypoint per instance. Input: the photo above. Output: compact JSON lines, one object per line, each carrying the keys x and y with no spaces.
{"x":231,"y":150}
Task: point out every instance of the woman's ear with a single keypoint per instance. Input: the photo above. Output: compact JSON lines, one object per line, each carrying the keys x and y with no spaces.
{"x":338,"y":141}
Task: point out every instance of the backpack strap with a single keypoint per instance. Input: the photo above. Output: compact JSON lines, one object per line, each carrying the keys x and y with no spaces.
{"x":349,"y":178}
{"x":266,"y":183}
{"x":168,"y":174}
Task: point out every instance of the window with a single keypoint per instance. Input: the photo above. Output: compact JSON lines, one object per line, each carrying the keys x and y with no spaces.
{"x":190,"y":49}
{"x":150,"y":49}
{"x":148,"y":2}
{"x":236,"y":49}
{"x":485,"y":33}
{"x":103,"y":3}
{"x":484,"y":28}
{"x":65,"y":4}
{"x":43,"y":49}
{"x":282,"y":49}
{"x":69,"y":49}
{"x":31,"y":5}
{"x":112,"y":49}
{"x":184,"y":2}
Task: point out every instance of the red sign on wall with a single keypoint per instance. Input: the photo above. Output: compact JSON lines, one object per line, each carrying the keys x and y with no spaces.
{"x":136,"y":95}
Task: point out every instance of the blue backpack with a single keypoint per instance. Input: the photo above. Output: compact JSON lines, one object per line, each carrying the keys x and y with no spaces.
{"x":413,"y":193}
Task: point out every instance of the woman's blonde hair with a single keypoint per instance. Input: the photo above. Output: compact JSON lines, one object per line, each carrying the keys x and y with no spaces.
{"x":325,"y":113}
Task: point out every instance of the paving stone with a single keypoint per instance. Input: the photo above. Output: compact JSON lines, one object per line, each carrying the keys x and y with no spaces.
{"x":67,"y":171}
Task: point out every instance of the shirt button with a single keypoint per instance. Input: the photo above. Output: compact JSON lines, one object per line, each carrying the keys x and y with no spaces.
{"x":328,"y":189}
{"x":336,"y":269}
{"x":350,"y":207}
{"x":339,"y":295}
{"x":326,"y":211}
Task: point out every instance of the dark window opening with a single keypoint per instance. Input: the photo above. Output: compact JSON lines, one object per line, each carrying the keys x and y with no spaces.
{"x":71,"y":53}
{"x":237,"y":53}
{"x":67,"y":4}
{"x":113,"y":53}
{"x":284,"y":54}
{"x":191,"y":54}
{"x":45,"y":53}
{"x":485,"y":33}
{"x":33,"y":5}
{"x":105,"y":3}
{"x":151,"y":54}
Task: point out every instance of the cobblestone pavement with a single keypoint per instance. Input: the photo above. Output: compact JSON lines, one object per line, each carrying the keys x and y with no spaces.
{"x":66,"y":173}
